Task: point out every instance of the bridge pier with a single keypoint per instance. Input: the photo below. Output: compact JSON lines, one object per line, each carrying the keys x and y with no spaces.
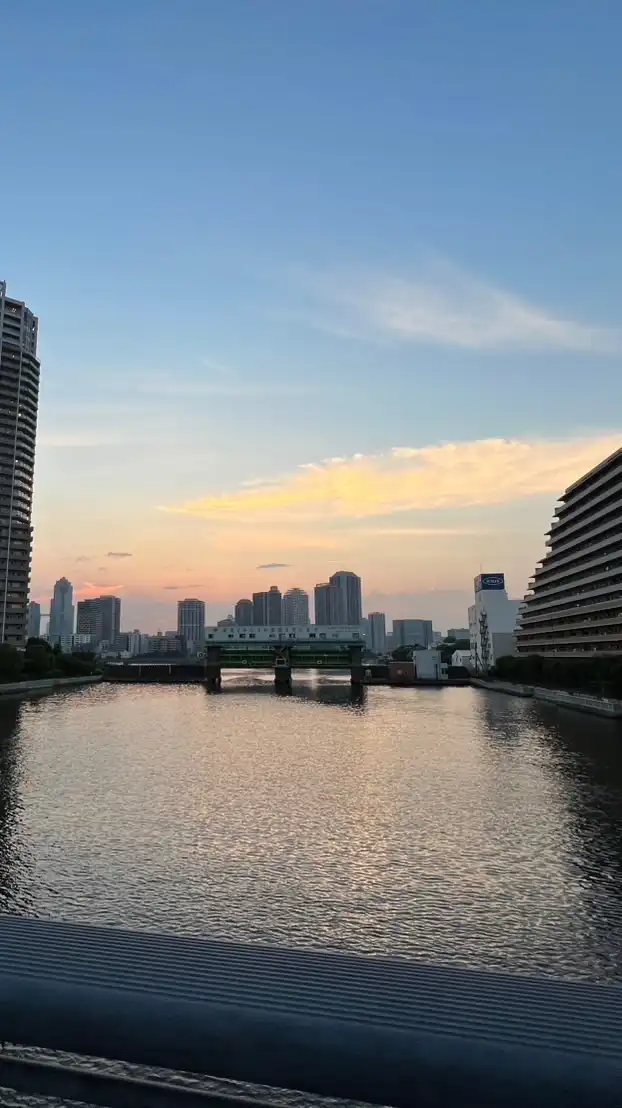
{"x":283,"y":669}
{"x":213,"y":675}
{"x":357,"y":669}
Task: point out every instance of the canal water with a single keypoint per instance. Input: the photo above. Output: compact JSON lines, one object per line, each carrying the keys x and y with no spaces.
{"x":456,"y":826}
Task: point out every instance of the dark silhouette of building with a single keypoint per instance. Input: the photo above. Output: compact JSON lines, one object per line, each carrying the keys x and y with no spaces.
{"x":100,"y":617}
{"x":260,"y":609}
{"x":296,"y":608}
{"x":326,"y":599}
{"x":275,"y":607}
{"x":244,"y":613}
{"x":19,"y":401}
{"x":349,"y":603}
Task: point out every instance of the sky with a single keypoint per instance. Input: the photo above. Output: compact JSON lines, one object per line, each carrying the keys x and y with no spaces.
{"x":332,"y":284}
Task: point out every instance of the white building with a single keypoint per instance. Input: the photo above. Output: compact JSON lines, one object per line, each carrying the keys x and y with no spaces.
{"x":429,"y":666}
{"x":377,"y":639}
{"x":492,"y":622}
{"x":191,"y":621}
{"x":296,"y":607}
{"x":461,"y":658}
{"x":61,"y":614}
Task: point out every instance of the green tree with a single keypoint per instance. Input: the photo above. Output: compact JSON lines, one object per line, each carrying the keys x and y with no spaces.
{"x":38,"y":659}
{"x":11,"y":663}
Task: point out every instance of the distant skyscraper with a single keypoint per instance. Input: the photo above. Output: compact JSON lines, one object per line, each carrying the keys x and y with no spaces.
{"x":275,"y":607}
{"x":244,"y":613}
{"x":326,"y":597}
{"x":100,"y":617}
{"x":19,"y":399}
{"x":377,"y":632}
{"x":61,"y":613}
{"x":412,"y":632}
{"x":260,"y":609}
{"x":296,"y":608}
{"x":110,"y":607}
{"x":88,"y":618}
{"x":34,"y":620}
{"x":349,"y":604}
{"x":191,"y":620}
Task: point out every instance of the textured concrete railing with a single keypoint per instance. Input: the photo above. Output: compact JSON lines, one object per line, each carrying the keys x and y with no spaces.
{"x":371,"y":1029}
{"x":46,"y":685}
{"x":579,"y":702}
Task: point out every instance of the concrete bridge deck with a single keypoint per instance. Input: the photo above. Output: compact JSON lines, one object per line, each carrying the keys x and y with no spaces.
{"x":372,"y":1029}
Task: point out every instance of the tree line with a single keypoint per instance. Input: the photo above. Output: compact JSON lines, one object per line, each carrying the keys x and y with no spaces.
{"x":39,"y":660}
{"x":596,"y":676}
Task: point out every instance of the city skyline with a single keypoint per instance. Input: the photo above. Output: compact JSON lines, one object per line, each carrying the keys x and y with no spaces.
{"x":395,"y":355}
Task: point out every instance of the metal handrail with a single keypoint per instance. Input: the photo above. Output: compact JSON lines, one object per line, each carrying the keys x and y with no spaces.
{"x":371,"y":1029}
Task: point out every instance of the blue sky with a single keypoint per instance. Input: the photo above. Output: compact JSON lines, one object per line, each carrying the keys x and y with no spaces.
{"x":261,"y":234}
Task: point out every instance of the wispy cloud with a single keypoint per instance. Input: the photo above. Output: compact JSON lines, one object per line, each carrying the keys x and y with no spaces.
{"x":274,"y":565}
{"x":177,"y":588}
{"x":444,"y":306}
{"x":240,"y":389}
{"x":451,"y":475}
{"x":84,"y":558}
{"x":215,"y":367}
{"x":98,"y":586}
{"x":118,"y":554}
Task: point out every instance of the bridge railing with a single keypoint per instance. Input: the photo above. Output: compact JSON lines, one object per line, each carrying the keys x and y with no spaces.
{"x":368,"y":1029}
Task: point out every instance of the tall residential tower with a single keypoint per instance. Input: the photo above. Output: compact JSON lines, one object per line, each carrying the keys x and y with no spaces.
{"x":191,"y":621}
{"x":296,"y":608}
{"x":19,"y":400}
{"x":349,"y":604}
{"x":60,"y":629}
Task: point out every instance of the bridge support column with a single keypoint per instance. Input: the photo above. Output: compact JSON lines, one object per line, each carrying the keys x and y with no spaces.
{"x":283,"y":669}
{"x":213,"y":677}
{"x":357,"y":670}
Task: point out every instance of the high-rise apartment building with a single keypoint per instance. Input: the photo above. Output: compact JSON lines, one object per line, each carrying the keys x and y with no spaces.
{"x":88,"y":618}
{"x":260,"y":609}
{"x":377,"y":640}
{"x":574,"y":605}
{"x":191,"y":621}
{"x":100,"y":618}
{"x":61,"y":613}
{"x":296,"y":608}
{"x":110,"y":607}
{"x":492,"y":622}
{"x":244,"y":613}
{"x":19,"y":400}
{"x":412,"y":632}
{"x":349,"y":602}
{"x":275,"y":607}
{"x":34,"y":620}
{"x":326,"y":599}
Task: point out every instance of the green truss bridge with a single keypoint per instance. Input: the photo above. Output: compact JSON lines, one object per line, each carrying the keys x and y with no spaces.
{"x":280,"y":649}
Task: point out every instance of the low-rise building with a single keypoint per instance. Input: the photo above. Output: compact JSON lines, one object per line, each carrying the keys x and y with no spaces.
{"x":429,"y":665}
{"x":461,"y":658}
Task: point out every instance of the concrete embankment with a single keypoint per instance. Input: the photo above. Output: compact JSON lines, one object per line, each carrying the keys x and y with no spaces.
{"x":578,"y":702}
{"x":41,"y":688}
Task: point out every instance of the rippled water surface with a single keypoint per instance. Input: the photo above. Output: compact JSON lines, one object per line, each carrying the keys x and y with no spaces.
{"x":452,"y":825}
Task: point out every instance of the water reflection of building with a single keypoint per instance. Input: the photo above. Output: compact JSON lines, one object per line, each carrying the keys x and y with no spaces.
{"x":11,"y":869}
{"x":566,"y":769}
